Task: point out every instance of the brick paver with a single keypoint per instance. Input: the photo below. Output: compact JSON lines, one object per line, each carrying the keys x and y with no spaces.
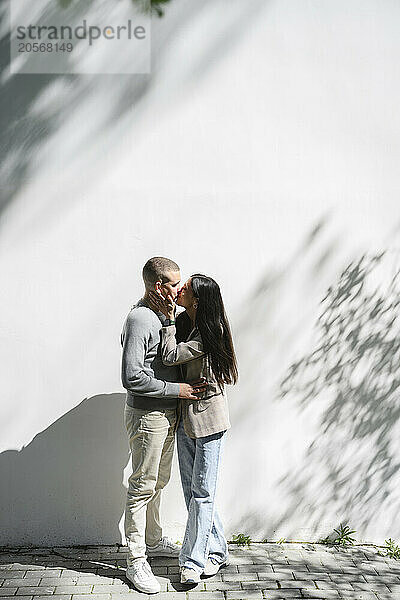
{"x":258,"y":572}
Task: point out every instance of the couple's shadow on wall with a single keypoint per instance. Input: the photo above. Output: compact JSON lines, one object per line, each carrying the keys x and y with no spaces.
{"x":66,"y":486}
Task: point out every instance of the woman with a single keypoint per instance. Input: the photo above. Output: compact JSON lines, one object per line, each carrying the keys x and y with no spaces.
{"x":207,"y":353}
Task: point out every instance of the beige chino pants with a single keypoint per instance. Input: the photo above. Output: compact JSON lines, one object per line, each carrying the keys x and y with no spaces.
{"x":151,"y":440}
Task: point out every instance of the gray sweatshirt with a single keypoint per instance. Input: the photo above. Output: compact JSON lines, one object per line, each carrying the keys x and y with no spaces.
{"x":149,"y":383}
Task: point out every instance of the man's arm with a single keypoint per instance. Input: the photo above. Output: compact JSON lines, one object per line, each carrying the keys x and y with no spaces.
{"x":134,"y":378}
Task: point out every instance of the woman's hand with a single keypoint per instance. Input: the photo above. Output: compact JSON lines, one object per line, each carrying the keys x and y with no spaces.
{"x":163,"y":305}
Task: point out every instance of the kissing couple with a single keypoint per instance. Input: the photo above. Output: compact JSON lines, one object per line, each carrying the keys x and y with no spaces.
{"x":174,"y":369}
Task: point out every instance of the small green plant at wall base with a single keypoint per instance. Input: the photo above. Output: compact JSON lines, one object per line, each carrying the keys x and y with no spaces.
{"x":241,"y":540}
{"x":344,"y":534}
{"x":392,"y":550}
{"x":343,"y":537}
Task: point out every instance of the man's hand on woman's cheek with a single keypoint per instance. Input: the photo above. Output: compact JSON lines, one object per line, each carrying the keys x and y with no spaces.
{"x":157,"y":302}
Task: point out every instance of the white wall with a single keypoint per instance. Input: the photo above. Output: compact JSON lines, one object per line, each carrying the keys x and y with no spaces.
{"x":262,"y":150}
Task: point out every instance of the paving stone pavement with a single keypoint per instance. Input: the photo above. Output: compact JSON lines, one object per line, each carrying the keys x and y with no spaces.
{"x":260,"y":572}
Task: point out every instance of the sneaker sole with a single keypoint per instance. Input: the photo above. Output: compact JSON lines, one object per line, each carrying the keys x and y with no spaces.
{"x":142,"y":588}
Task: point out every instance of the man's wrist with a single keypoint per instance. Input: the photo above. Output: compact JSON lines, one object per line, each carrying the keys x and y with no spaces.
{"x":169,"y":322}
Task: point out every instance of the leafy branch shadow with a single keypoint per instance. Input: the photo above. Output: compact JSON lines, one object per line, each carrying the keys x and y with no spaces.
{"x":353,"y":371}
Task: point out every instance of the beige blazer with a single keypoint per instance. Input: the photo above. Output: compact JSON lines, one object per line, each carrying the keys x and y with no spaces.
{"x":209,"y":414}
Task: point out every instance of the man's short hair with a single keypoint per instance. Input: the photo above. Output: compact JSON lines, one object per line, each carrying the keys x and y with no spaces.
{"x":156,"y":269}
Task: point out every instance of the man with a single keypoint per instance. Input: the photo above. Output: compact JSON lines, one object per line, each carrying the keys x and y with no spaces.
{"x":150,"y":419}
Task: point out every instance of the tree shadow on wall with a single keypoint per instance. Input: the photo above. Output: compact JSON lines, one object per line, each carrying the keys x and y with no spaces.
{"x":278,"y":310}
{"x":34,"y":107}
{"x":67,"y":484}
{"x":24,"y":126}
{"x":352,"y":467}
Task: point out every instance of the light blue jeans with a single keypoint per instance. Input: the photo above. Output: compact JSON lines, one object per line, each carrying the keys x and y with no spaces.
{"x":198,"y":465}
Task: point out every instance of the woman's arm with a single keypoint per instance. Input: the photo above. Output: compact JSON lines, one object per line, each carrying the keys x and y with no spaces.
{"x":176,"y":354}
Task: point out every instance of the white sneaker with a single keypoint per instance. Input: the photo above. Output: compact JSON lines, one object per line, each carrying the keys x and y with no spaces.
{"x":164,"y":548}
{"x":189,"y":575}
{"x":213,"y":566}
{"x":142,"y":577}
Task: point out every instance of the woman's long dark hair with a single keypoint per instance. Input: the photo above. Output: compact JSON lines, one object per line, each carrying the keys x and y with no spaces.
{"x":214,"y":329}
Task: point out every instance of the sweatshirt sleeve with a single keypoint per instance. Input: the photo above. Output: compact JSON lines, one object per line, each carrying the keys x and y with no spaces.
{"x":176,"y":354}
{"x":135,"y":339}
